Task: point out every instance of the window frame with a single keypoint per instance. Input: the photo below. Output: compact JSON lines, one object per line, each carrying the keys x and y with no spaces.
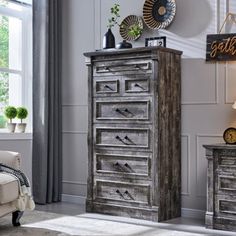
{"x":26,"y":70}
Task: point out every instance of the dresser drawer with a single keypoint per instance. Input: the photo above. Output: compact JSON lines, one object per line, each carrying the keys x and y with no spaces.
{"x":122,"y":67}
{"x":226,"y":183}
{"x":225,"y":206}
{"x":139,"y":193}
{"x":137,"y":85}
{"x":123,"y":137}
{"x":123,"y":164}
{"x":122,"y":110}
{"x":106,"y":86}
{"x":227,"y":161}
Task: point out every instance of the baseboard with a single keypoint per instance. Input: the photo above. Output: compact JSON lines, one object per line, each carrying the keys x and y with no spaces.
{"x":73,"y":199}
{"x":193,"y":213}
{"x":185,"y":212}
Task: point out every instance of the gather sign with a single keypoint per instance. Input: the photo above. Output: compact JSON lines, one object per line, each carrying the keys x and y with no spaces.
{"x":221,"y":47}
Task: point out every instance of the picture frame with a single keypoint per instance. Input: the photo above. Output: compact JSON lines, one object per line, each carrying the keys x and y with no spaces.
{"x":155,"y":41}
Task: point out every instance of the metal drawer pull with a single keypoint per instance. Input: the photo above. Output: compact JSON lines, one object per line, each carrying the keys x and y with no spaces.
{"x":123,"y":112}
{"x":130,"y":196}
{"x":108,"y":87}
{"x":123,"y":67}
{"x":126,"y":138}
{"x":119,"y":111}
{"x":118,"y":138}
{"x":128,"y":168}
{"x":118,"y":191}
{"x":139,"y":86}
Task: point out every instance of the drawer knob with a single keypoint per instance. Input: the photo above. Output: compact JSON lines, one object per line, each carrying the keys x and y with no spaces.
{"x":117,"y":164}
{"x":118,"y":110}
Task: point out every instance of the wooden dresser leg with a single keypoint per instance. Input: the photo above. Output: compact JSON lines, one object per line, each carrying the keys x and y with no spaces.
{"x":16,"y":215}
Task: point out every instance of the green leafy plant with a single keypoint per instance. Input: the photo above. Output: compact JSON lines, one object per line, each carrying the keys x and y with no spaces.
{"x":135,"y":30}
{"x":10,"y":112}
{"x":115,"y":14}
{"x":22,"y":113}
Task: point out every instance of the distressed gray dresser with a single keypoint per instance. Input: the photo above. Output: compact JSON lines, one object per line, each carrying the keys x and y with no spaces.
{"x":134,"y":133}
{"x":221,"y":187}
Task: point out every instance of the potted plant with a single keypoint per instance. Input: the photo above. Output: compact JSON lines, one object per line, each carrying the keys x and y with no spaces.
{"x":109,"y":39}
{"x":10,"y":112}
{"x":22,"y":113}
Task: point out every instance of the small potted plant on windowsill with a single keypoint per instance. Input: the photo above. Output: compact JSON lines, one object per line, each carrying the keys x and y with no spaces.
{"x":10,"y":112}
{"x":22,"y":113}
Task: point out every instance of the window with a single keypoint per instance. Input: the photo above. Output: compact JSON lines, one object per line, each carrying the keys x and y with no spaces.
{"x":15,"y":56}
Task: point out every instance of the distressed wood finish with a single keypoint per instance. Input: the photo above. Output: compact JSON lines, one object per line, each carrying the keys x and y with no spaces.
{"x":134,"y":133}
{"x":221,"y":187}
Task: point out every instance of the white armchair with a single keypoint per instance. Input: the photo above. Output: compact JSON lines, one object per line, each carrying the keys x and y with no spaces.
{"x":9,"y":187}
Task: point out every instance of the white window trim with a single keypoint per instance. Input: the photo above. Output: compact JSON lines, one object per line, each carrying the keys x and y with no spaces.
{"x":26,"y":70}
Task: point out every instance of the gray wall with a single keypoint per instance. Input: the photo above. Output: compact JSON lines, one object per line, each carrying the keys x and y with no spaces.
{"x":208,"y":89}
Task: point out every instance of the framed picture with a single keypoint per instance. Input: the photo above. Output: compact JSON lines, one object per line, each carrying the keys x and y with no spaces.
{"x":156,"y":41}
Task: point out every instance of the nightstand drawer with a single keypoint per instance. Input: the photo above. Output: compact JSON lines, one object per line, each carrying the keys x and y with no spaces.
{"x":137,"y":85}
{"x":123,"y":165}
{"x":225,"y":206}
{"x":122,"y":110}
{"x":226,"y":183}
{"x":122,"y":137}
{"x":117,"y":67}
{"x":227,"y":161}
{"x":118,"y":191}
{"x":106,"y":86}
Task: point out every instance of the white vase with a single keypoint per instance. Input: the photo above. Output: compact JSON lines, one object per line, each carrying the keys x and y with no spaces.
{"x":11,"y":127}
{"x":21,"y":127}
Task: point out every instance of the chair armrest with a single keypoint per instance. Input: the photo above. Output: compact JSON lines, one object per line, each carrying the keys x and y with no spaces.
{"x":11,"y":159}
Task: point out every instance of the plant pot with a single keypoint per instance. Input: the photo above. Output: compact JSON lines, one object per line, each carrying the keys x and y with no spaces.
{"x":21,"y":127}
{"x":11,"y":127}
{"x":108,"y":40}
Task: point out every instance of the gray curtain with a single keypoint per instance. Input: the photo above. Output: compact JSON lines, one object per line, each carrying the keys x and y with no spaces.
{"x":47,"y":141}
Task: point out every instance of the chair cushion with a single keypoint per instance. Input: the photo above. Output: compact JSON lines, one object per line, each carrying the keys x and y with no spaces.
{"x":9,"y":188}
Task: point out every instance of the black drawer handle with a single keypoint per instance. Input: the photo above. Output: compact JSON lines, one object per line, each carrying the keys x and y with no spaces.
{"x":126,"y":165}
{"x":119,"y":193}
{"x":117,"y":164}
{"x":139,"y":86}
{"x":108,"y":87}
{"x":118,"y":138}
{"x":128,"y":194}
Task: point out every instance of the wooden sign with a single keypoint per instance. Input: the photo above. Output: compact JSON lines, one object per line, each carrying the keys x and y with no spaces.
{"x":221,"y":47}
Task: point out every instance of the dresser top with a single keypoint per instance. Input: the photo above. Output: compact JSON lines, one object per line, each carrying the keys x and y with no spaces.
{"x":219,"y":146}
{"x":113,"y":51}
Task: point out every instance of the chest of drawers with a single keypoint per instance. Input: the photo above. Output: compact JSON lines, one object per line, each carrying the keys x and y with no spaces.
{"x":134,"y":130}
{"x":221,"y":187}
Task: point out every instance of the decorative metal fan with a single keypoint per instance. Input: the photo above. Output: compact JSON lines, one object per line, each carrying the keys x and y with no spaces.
{"x":158,"y":14}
